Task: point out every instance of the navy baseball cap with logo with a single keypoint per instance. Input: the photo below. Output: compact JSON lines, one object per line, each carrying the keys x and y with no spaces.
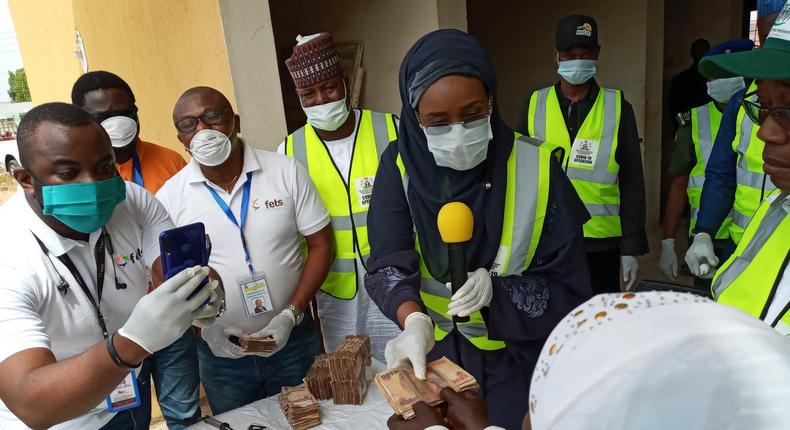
{"x":772,"y":61}
{"x":576,"y":30}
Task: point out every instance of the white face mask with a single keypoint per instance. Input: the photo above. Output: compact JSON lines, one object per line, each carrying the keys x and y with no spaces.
{"x":210,"y":147}
{"x":328,"y":116}
{"x":122,"y":130}
{"x":462,"y":147}
{"x":577,"y":72}
{"x":723,"y":89}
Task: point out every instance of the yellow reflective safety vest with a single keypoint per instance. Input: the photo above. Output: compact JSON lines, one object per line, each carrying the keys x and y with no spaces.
{"x":590,"y":161}
{"x":526,"y":198}
{"x":347,"y":203}
{"x":748,"y":280}
{"x":752,"y":182}
{"x":705,"y":121}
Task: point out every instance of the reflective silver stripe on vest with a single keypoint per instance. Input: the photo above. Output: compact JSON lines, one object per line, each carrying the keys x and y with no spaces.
{"x":743,"y":175}
{"x":773,"y":218}
{"x":694,"y":213}
{"x":705,"y":142}
{"x":300,"y":147}
{"x":539,"y":125}
{"x":435,"y":288}
{"x":380,"y":133}
{"x":343,"y":222}
{"x":526,"y":201}
{"x":596,"y":209}
{"x":740,"y":219}
{"x":345,"y":265}
{"x":600,"y":174}
{"x":467,"y":330}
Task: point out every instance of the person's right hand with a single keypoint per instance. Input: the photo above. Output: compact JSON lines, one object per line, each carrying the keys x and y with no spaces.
{"x":412,"y":345}
{"x":424,"y":417}
{"x":668,"y":263}
{"x":217,"y":339}
{"x":465,"y":411}
{"x":163,"y":315}
{"x":701,"y":258}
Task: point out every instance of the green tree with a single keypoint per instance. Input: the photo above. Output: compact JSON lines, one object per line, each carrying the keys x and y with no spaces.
{"x":18,"y":90}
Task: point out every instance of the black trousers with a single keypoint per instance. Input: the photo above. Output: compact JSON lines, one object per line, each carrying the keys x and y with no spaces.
{"x":604,"y":271}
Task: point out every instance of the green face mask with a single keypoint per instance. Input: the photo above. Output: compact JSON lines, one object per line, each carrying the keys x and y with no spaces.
{"x":84,"y":207}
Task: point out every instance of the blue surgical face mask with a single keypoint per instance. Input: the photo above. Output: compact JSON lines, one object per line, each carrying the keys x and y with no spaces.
{"x":723,"y":89}
{"x":460,"y":146}
{"x":84,"y":207}
{"x":577,"y":72}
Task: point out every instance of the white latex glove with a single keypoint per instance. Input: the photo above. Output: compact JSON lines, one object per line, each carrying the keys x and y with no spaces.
{"x":476,"y":293}
{"x":630,"y":270}
{"x":279,"y":328}
{"x":669,"y":259}
{"x":701,"y":258}
{"x":163,"y":315}
{"x":217,"y":339}
{"x":412,"y":345}
{"x":211,"y":311}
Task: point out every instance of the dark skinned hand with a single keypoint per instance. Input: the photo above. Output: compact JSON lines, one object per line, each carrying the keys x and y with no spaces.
{"x":424,"y":417}
{"x":465,"y":411}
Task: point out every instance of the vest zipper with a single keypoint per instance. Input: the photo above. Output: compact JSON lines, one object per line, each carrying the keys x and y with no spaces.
{"x":348,"y":191}
{"x":773,"y":293}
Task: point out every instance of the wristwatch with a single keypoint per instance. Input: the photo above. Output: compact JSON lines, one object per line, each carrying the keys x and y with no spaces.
{"x":297,"y":313}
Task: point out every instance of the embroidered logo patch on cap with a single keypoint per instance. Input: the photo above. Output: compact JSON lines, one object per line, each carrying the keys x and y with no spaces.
{"x":584,"y":30}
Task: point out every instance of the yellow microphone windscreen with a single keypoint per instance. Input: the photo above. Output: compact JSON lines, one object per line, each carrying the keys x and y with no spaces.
{"x":456,"y":222}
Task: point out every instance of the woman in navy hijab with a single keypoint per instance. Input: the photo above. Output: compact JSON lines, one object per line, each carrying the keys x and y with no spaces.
{"x":526,"y":253}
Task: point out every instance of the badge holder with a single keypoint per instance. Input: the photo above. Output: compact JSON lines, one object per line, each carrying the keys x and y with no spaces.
{"x":255,"y":295}
{"x":126,"y":395}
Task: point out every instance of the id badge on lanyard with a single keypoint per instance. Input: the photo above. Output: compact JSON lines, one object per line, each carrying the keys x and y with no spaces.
{"x":126,"y":395}
{"x":255,"y":295}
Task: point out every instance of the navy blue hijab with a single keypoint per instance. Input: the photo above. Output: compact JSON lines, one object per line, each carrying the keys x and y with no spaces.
{"x":435,"y":55}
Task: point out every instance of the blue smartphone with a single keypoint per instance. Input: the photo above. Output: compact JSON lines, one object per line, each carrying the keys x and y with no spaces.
{"x":184,"y":247}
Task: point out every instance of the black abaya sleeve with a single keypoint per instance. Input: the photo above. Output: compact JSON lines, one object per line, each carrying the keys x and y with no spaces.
{"x":525,"y":308}
{"x":393,"y":275}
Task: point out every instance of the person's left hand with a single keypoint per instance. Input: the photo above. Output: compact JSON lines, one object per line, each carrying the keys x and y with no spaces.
{"x":465,"y":411}
{"x":476,"y":293}
{"x":630,"y":270}
{"x":279,"y":328}
{"x":424,"y":417}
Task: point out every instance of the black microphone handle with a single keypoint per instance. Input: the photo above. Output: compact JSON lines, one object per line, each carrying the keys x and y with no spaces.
{"x":456,"y":255}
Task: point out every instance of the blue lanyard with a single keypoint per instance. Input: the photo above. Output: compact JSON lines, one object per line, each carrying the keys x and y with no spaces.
{"x":245,"y":202}
{"x":137,"y":173}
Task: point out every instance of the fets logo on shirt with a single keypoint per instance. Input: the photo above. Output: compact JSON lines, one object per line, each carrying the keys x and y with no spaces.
{"x":124,"y":259}
{"x":256,"y":204}
{"x":273,"y":203}
{"x":584,"y":30}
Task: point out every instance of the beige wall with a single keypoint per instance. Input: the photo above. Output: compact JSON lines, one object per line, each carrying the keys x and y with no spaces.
{"x":253,"y":63}
{"x":388,"y":28}
{"x":45,"y":32}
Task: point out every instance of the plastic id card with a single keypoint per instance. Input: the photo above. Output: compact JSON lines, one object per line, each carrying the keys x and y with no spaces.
{"x":255,"y":295}
{"x":125,"y":395}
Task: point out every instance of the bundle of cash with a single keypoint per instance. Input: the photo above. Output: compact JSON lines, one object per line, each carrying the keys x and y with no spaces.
{"x":349,"y":370}
{"x":317,"y":378}
{"x":402,"y":389}
{"x":300,"y":407}
{"x":266,"y":344}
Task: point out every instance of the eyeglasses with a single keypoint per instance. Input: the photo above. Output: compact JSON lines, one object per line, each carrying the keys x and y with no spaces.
{"x":471,"y":122}
{"x":130,"y":112}
{"x":758,"y":114}
{"x":212,"y":117}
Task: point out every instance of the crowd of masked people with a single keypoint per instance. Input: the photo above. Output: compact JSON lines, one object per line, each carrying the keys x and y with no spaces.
{"x":337,"y":229}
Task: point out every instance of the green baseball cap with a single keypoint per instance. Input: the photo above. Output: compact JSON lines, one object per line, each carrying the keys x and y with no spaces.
{"x":772,"y":61}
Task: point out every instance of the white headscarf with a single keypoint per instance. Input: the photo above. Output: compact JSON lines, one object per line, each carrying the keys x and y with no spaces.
{"x":657,"y":361}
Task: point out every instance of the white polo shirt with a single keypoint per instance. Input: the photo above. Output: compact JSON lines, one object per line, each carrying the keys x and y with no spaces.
{"x":34,"y":314}
{"x":284,"y":207}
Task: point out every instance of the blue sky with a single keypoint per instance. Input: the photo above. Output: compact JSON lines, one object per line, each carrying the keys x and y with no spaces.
{"x":10,"y":59}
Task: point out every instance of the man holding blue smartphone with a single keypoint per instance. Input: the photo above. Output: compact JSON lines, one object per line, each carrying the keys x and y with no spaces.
{"x":258,"y":208}
{"x":75,"y":321}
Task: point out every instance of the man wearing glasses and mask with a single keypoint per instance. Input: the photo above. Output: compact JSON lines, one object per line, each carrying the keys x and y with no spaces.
{"x":756,"y":278}
{"x":340,"y":148}
{"x":257,"y":207}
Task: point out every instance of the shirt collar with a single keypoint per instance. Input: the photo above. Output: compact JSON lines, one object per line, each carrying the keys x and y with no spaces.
{"x":55,"y":243}
{"x":591,"y":95}
{"x":251,"y":164}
